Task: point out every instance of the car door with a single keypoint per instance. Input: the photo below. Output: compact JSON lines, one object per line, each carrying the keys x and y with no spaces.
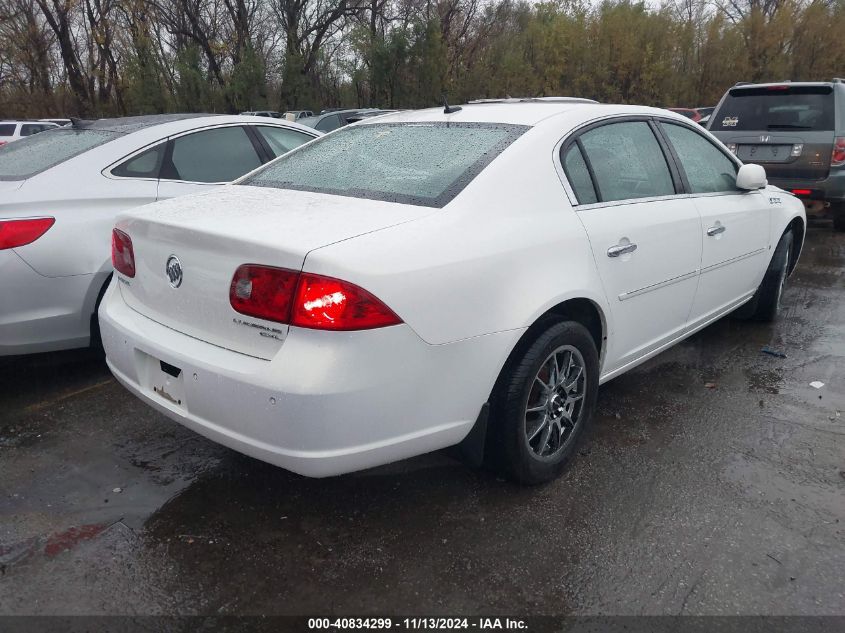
{"x":735,"y":223}
{"x":199,"y":160}
{"x":644,"y":233}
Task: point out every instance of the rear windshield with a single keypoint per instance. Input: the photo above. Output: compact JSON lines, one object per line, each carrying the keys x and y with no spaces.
{"x":426,"y":164}
{"x":33,"y":154}
{"x":776,"y":108}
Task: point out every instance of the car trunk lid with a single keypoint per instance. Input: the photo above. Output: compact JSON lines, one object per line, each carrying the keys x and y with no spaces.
{"x":211,"y":234}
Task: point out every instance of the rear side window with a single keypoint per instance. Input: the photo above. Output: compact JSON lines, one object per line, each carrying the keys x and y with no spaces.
{"x":329,"y":123}
{"x":7,"y":129}
{"x":627,"y":161}
{"x":426,"y":164}
{"x":776,"y":108}
{"x":144,"y":165}
{"x":282,"y":140}
{"x":707,"y":168}
{"x":28,"y":129}
{"x":579,"y":176}
{"x":32,"y":155}
{"x":219,"y":155}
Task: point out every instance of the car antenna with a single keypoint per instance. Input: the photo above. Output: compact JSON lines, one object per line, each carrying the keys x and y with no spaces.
{"x":447,"y":109}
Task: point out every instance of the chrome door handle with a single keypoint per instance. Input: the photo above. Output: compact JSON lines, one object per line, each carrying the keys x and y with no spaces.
{"x":621,"y":249}
{"x":715,"y":230}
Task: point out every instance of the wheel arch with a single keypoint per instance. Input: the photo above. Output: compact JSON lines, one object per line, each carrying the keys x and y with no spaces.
{"x":799,"y":229}
{"x":580,"y":309}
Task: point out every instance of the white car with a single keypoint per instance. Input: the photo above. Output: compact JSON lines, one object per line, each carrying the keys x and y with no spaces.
{"x":11,"y":131}
{"x":435,"y":277}
{"x":59,"y":122}
{"x":61,"y":190}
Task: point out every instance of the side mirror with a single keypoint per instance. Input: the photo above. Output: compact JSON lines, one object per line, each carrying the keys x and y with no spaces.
{"x":751,"y":177}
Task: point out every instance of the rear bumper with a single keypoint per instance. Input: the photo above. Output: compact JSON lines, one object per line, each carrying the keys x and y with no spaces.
{"x":43,"y":314}
{"x":327,"y":403}
{"x":830,"y":189}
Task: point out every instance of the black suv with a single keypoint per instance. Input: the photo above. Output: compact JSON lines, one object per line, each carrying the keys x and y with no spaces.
{"x":796,"y":131}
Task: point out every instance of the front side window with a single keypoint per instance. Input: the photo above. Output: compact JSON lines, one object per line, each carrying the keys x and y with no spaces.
{"x":144,"y":165}
{"x":282,"y":140}
{"x":707,"y":168}
{"x":34,"y":154}
{"x":579,"y":176}
{"x":627,"y":161}
{"x":218,"y":155}
{"x":426,"y":164}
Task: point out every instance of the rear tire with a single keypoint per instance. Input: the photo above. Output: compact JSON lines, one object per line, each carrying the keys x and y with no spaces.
{"x":765,"y":304}
{"x":96,"y":343}
{"x":542,"y":401}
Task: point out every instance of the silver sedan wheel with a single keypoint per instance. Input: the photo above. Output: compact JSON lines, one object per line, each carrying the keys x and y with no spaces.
{"x":555,"y":400}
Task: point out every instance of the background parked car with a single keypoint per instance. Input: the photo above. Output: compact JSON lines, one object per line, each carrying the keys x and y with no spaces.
{"x":693,"y":114}
{"x":265,"y":113}
{"x":62,"y":189}
{"x":297,"y":114}
{"x":59,"y":122}
{"x":797,"y":131}
{"x":367,"y":114}
{"x":338,"y":118}
{"x":15,"y":130}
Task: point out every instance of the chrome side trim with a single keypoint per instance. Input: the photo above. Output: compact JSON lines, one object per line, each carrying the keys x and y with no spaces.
{"x":707,"y":269}
{"x":661,"y":284}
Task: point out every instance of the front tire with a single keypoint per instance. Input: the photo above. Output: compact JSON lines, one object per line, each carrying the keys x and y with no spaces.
{"x":541,"y":403}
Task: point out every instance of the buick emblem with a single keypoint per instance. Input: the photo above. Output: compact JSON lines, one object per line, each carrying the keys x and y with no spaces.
{"x":174,"y":271}
{"x":765,"y":139}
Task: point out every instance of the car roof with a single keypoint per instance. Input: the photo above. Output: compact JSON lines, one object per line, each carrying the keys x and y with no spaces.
{"x":166,"y":124}
{"x":530,"y":113}
{"x":742,"y":85}
{"x":36,"y":121}
{"x":129,"y":124}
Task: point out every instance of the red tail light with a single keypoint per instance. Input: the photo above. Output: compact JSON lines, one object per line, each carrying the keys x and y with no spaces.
{"x":306,"y":300}
{"x":263,"y":292}
{"x":122,"y":255}
{"x":324,"y":303}
{"x":837,"y":158}
{"x":14,"y":233}
{"x":801,"y":192}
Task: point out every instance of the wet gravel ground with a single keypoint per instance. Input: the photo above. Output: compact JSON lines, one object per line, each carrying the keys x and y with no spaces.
{"x":683,"y":499}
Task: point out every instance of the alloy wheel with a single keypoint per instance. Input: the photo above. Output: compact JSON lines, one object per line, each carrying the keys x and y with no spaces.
{"x":554,"y":403}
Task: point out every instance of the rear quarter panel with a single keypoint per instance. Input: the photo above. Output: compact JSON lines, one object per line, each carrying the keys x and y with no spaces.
{"x":507,"y":249}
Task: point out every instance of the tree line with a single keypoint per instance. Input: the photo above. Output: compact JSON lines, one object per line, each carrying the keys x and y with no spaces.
{"x":117,"y":57}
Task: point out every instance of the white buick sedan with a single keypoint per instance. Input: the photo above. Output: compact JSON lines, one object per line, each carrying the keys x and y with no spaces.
{"x":432,"y":278}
